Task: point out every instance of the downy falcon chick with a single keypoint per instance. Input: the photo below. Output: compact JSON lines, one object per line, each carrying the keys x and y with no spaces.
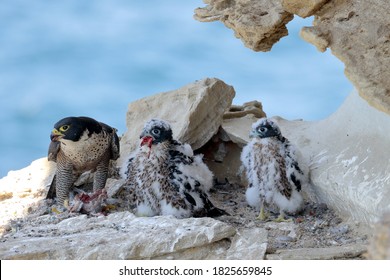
{"x":274,"y":174}
{"x":165,"y":178}
{"x":80,"y":144}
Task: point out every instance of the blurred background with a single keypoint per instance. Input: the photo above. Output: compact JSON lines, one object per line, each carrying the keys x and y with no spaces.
{"x":63,"y":58}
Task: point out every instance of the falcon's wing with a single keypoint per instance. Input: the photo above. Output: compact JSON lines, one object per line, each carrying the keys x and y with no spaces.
{"x":51,"y":193}
{"x":54,"y":147}
{"x":115,"y":147}
{"x":114,"y":140}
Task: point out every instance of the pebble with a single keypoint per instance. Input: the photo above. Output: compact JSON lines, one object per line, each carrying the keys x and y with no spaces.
{"x":342,"y":229}
{"x":7,"y":227}
{"x":284,"y":239}
{"x":336,"y":221}
{"x":308,"y":243}
{"x":322,"y":207}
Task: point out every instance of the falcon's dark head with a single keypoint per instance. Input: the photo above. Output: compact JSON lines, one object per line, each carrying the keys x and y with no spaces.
{"x":155,"y":131}
{"x":72,"y":128}
{"x":264,"y":128}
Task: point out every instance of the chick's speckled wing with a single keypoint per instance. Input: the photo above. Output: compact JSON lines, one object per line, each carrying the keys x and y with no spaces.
{"x":187,"y":170}
{"x":193,"y":180}
{"x":296,"y":168}
{"x":248,"y":161}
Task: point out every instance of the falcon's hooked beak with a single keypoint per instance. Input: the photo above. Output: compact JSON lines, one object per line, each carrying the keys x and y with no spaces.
{"x":55,"y":135}
{"x":147,"y":140}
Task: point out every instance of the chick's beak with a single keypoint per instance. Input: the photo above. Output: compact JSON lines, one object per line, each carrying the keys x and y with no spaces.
{"x":147,"y":140}
{"x":55,"y":134}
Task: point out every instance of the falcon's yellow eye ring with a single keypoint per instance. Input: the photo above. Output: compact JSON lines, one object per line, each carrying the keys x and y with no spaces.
{"x":64,"y":128}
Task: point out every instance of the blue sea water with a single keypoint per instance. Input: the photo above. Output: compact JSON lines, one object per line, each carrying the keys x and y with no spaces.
{"x":62,"y":58}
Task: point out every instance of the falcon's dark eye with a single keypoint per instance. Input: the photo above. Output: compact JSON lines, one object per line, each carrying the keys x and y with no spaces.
{"x":262,"y":129}
{"x":64,"y":128}
{"x":156,"y":131}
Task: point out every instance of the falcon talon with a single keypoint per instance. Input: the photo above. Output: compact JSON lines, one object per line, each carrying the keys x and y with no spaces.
{"x":262,"y":215}
{"x":281,"y":219}
{"x":58,"y":209}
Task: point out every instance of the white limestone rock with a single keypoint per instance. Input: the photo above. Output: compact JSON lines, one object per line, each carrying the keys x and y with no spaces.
{"x":124,"y":236}
{"x":354,"y":251}
{"x":22,"y":188}
{"x":238,"y":129}
{"x":349,"y":156}
{"x":248,"y":244}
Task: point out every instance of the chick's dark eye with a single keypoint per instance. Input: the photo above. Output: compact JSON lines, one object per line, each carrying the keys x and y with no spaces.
{"x":156,"y":131}
{"x":262,"y":129}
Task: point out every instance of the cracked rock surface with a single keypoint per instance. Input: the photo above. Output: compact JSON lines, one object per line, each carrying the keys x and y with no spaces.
{"x":259,"y":24}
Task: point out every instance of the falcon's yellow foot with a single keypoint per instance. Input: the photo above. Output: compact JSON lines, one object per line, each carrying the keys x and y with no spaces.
{"x":58,"y":209}
{"x":109,"y":207}
{"x":66,"y":203}
{"x":282,"y":219}
{"x":55,"y":210}
{"x":262,"y":216}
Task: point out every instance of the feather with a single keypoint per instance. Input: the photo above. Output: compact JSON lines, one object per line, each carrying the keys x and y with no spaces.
{"x":273,"y":169}
{"x":166,"y":178}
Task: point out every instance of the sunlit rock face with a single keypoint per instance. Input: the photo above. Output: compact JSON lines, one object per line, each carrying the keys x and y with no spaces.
{"x":358,"y":33}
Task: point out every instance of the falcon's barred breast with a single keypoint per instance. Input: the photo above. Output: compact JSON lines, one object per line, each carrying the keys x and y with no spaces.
{"x":163,"y":177}
{"x":80,"y":144}
{"x":274,"y":174}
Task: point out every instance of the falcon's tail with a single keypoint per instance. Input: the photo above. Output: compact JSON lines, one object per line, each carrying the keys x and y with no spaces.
{"x":51,"y":193}
{"x":216,"y":212}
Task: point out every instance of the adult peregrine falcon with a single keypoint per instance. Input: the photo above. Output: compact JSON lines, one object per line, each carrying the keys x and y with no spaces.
{"x":165,"y":178}
{"x":80,"y":144}
{"x":274,"y":175}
